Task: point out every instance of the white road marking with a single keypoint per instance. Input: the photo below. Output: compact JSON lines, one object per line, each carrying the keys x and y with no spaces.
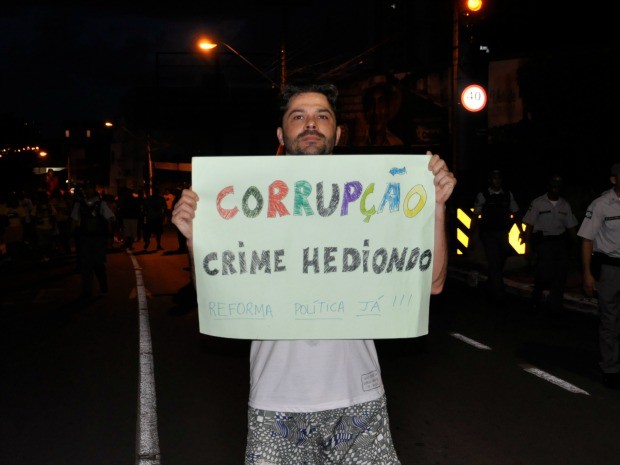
{"x":552,"y":379}
{"x":147,"y":434}
{"x":469,"y":341}
{"x":528,"y":368}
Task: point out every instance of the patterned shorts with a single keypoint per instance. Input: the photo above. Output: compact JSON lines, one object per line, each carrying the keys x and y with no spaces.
{"x":357,"y":435}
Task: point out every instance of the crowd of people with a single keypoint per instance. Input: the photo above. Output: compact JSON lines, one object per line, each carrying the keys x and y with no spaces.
{"x":42,"y":223}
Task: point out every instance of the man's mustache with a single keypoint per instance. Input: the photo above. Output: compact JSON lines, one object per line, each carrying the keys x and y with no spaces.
{"x":310,"y":132}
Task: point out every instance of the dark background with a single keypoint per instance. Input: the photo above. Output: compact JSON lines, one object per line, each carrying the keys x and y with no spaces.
{"x":70,"y":61}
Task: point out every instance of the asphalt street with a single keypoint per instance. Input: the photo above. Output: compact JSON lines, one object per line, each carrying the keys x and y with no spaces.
{"x":486,"y":386}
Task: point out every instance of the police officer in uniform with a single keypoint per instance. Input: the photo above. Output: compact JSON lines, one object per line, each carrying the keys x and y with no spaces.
{"x":550,"y":231}
{"x":600,"y":253}
{"x":494,"y":213}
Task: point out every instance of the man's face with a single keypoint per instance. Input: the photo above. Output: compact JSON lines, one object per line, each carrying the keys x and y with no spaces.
{"x":309,"y":126}
{"x":496,"y":181}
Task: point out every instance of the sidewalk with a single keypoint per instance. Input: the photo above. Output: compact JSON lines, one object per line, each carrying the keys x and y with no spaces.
{"x":519,"y":278}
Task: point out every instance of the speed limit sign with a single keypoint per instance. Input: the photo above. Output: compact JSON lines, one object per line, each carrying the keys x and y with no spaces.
{"x":474,"y":98}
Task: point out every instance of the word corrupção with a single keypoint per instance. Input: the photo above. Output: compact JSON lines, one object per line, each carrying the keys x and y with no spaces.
{"x":253,"y":201}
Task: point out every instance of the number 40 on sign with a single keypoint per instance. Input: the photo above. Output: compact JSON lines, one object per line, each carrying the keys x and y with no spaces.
{"x":474,"y":98}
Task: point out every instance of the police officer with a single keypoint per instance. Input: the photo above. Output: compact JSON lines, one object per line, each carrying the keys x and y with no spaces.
{"x":550,"y":231}
{"x":494,"y":213}
{"x":600,"y":253}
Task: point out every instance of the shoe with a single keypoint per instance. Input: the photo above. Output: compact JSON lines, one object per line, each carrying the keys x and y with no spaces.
{"x":611,"y":380}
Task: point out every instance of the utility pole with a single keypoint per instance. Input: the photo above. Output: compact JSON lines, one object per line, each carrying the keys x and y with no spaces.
{"x":283,"y":28}
{"x":454,"y":87}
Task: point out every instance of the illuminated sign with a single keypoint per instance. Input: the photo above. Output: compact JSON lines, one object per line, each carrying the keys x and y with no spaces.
{"x":474,"y":98}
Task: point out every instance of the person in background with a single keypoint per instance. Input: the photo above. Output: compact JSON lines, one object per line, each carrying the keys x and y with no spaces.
{"x":51,"y":182}
{"x":600,"y":258}
{"x":494,"y":213}
{"x":169,"y":198}
{"x":14,"y":230}
{"x":61,"y":200}
{"x":44,"y":217}
{"x":30,"y":233}
{"x":96,"y":222}
{"x":315,"y":389}
{"x":129,"y":213}
{"x":141,"y":219}
{"x":549,"y":234}
{"x":154,"y":215}
{"x":380,"y":103}
{"x":180,"y":237}
{"x":4,"y":222}
{"x":74,"y":227}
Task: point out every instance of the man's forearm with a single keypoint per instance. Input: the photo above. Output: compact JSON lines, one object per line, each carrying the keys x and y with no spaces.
{"x":440,"y":253}
{"x":586,"y":255}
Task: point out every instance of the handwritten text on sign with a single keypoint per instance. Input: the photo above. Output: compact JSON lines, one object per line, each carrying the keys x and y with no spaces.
{"x":313,"y":247}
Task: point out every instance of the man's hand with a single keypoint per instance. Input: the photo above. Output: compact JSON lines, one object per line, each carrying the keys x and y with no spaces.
{"x":444,"y":179}
{"x":589,"y":284}
{"x":184,"y":213}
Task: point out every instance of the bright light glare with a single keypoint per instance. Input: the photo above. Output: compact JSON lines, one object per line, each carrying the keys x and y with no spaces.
{"x":205,"y":44}
{"x":474,"y":5}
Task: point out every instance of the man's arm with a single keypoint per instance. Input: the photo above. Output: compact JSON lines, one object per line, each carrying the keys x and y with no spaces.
{"x":183,"y":218}
{"x":444,"y":182}
{"x":589,"y":283}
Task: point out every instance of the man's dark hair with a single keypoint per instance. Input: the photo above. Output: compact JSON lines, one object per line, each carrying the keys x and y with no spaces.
{"x":330,"y":91}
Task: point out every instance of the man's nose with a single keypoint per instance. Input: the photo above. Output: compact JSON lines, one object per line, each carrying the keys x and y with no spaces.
{"x":310,"y":122}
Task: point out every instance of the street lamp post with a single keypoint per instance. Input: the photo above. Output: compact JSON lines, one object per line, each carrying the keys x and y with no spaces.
{"x":206,"y":45}
{"x":454,"y":84}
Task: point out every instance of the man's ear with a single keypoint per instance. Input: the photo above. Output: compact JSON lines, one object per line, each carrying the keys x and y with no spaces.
{"x":279,"y":134}
{"x":338,"y":132}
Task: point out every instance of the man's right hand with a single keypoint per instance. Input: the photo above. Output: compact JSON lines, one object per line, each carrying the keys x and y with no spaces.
{"x":589,"y":284}
{"x":184,"y":213}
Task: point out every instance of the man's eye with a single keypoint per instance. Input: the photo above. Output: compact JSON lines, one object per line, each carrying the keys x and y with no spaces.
{"x":298,"y":117}
{"x":323,"y":117}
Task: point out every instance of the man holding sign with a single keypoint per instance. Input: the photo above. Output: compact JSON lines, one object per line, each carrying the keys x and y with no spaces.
{"x":321,"y":400}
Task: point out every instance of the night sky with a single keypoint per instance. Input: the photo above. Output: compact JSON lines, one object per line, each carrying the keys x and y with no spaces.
{"x":76,"y":61}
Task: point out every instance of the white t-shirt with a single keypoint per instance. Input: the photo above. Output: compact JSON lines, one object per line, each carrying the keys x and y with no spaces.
{"x":313,"y":375}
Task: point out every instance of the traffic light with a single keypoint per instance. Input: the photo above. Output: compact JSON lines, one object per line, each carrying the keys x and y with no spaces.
{"x":474,"y":5}
{"x":472,"y":41}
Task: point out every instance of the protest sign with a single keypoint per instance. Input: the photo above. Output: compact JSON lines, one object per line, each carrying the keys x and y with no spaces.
{"x":313,"y":247}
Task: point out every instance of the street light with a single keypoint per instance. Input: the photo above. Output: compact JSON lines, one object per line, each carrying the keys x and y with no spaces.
{"x":146,"y":140}
{"x":205,"y":45}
